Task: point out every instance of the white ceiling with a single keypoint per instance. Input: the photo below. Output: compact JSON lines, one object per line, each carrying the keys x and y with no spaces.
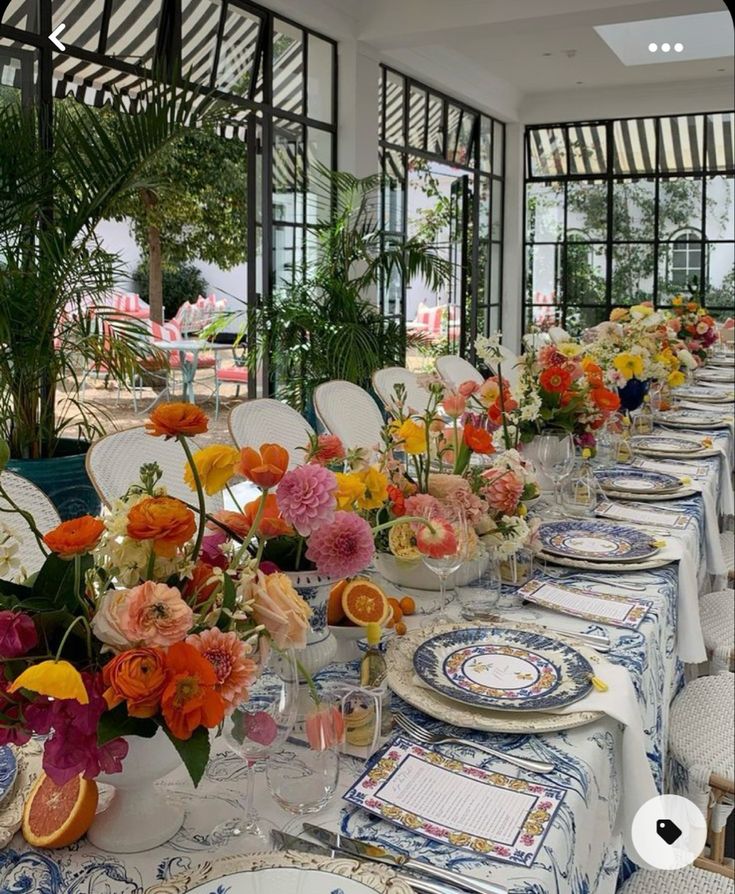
{"x":517,"y":51}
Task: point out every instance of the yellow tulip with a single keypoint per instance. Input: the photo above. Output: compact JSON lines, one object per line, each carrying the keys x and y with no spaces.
{"x":629,"y":365}
{"x":57,"y":679}
{"x":375,"y":488}
{"x":412,"y":434}
{"x":215,"y":465}
{"x":350,"y":489}
{"x":675,"y":379}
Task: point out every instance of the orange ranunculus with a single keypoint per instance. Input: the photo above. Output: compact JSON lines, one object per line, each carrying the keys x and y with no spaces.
{"x":605,"y":400}
{"x":170,"y":420}
{"x":136,"y":677}
{"x":264,"y":467}
{"x":593,"y":372}
{"x":189,"y":699}
{"x":200,"y":587}
{"x":555,"y":379}
{"x":478,"y":439}
{"x":164,"y":520}
{"x":75,"y":537}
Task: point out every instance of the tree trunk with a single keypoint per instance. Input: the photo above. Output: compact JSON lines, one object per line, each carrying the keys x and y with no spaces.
{"x":155,"y":269}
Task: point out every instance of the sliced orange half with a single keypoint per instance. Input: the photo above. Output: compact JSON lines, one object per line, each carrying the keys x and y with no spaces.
{"x":58,"y":815}
{"x":335,"y":612}
{"x":364,"y":603}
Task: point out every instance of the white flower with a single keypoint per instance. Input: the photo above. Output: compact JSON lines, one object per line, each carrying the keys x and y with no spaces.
{"x":687,"y":358}
{"x":530,"y":407}
{"x":488,"y":348}
{"x":9,"y":549}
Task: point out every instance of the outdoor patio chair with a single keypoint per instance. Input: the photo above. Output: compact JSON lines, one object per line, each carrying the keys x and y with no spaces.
{"x":268,"y":421}
{"x":385,"y":380}
{"x":113,"y":464}
{"x":455,"y":370}
{"x":348,"y":411}
{"x":510,"y":365}
{"x":688,"y":880}
{"x":31,"y":499}
{"x":716,"y":612}
{"x":231,"y":375}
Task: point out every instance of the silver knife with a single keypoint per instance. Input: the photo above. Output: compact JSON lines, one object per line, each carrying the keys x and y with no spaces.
{"x":283,"y":840}
{"x":365,"y":851}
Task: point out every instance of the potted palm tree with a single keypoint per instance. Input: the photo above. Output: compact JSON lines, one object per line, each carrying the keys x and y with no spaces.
{"x":52,"y":267}
{"x":327,"y":325}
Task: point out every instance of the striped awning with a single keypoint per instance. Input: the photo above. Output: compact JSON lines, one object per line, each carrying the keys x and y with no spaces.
{"x":548,"y":152}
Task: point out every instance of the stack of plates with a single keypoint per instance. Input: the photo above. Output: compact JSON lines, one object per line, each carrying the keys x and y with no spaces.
{"x":702,"y":394}
{"x":636,"y":484}
{"x":600,"y":545}
{"x":692,"y":419}
{"x":669,"y":446}
{"x":721,"y":374}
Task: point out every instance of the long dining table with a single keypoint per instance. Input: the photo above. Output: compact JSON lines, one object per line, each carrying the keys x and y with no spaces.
{"x":583,"y":852}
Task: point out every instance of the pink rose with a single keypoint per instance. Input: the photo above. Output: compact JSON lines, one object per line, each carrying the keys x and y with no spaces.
{"x":155,"y":615}
{"x":280,"y":609}
{"x":17,"y":634}
{"x":106,"y":621}
{"x":468,"y":388}
{"x":444,"y":486}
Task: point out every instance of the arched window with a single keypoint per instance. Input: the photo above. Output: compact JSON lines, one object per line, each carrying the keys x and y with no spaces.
{"x":685,"y":258}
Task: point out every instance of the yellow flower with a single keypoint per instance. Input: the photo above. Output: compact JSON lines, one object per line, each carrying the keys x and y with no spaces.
{"x":570,"y":349}
{"x":642,"y":310}
{"x":677,"y":300}
{"x":375,"y":488}
{"x":350,"y":489}
{"x":675,"y":379}
{"x":57,"y":679}
{"x":618,"y":313}
{"x":215,"y":465}
{"x":413,"y":436}
{"x":629,"y":365}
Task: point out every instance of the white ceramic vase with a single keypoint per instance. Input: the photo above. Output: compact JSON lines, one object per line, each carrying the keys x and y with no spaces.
{"x":531,"y":451}
{"x":414,"y":575}
{"x":139,"y":817}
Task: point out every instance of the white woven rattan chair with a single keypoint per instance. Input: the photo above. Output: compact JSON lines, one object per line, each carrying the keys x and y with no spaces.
{"x":717,"y":615}
{"x":510,"y":364}
{"x":30,"y":499}
{"x":727,"y":542}
{"x":113,"y":464}
{"x":348,"y":411}
{"x":268,"y":421}
{"x":454,"y":370}
{"x":688,"y":880}
{"x":701,"y":732}
{"x":385,"y":380}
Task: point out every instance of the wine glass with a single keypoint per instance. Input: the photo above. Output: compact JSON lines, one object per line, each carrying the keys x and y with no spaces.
{"x":256,"y":729}
{"x":446,"y":550}
{"x":556,"y":454}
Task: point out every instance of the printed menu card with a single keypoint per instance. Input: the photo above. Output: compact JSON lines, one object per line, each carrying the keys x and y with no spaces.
{"x":642,"y":514}
{"x":430,"y":794}
{"x":605,"y":608}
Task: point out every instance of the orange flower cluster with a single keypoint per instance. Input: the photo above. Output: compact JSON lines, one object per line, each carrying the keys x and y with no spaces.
{"x":165,"y":521}
{"x":180,"y":683}
{"x":75,"y":537}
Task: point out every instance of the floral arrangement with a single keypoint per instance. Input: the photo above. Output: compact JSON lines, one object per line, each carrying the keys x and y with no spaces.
{"x":153,"y":618}
{"x":694,"y":327}
{"x":560,"y":387}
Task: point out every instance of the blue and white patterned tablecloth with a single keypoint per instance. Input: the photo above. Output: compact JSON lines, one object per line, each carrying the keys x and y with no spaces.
{"x":581,"y":855}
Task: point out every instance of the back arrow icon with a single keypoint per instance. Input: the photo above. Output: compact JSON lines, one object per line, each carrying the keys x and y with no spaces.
{"x":54,"y":37}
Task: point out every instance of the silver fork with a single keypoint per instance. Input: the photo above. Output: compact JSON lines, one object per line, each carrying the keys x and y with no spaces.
{"x":424,"y":737}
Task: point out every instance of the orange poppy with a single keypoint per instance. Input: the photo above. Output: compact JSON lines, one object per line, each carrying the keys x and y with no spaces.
{"x":593,"y":373}
{"x":136,"y":677}
{"x":75,"y":537}
{"x":555,"y":379}
{"x":189,"y":699}
{"x":605,"y":400}
{"x":264,"y":467}
{"x":478,"y":439}
{"x":164,"y":520}
{"x":170,"y":420}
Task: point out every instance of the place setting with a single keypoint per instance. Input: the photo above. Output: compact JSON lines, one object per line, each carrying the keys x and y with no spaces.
{"x":703,"y":394}
{"x":693,"y":419}
{"x":632,"y":483}
{"x":672,"y":446}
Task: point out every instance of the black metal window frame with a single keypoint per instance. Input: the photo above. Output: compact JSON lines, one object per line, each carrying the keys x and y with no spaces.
{"x":661,"y":245}
{"x":485,"y":308}
{"x":254,"y":119}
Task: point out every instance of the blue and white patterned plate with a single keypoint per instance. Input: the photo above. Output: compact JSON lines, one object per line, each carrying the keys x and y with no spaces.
{"x":596,"y":540}
{"x":692,"y":419}
{"x":496,"y":667}
{"x":705,"y":395}
{"x":637,"y":481}
{"x":8,"y":770}
{"x":661,"y":445}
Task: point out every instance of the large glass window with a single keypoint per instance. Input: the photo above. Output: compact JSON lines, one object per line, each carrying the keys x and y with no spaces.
{"x":443,"y":164}
{"x":619,"y":212}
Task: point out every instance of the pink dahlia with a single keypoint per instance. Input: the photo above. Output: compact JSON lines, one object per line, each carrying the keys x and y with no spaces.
{"x":342,"y":547}
{"x":503,"y":490}
{"x":306,"y":497}
{"x":236,"y":671}
{"x":423,"y":505}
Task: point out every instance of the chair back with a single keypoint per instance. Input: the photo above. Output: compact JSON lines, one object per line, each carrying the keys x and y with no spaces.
{"x":454,"y":370}
{"x":510,"y":363}
{"x":348,"y":411}
{"x":113,"y":464}
{"x":385,"y":380}
{"x":30,"y":499}
{"x":268,"y":421}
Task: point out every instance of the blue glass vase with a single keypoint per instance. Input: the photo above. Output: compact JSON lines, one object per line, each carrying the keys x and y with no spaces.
{"x":632,"y":394}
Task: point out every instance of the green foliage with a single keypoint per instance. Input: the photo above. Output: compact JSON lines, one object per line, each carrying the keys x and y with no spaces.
{"x":181,"y":283}
{"x":326,"y":324}
{"x":194,"y":752}
{"x":117,"y":722}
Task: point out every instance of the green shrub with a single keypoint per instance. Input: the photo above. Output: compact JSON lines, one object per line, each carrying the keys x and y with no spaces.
{"x":181,"y":283}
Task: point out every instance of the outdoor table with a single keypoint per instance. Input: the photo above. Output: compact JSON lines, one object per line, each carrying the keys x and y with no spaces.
{"x":189,"y":350}
{"x":583,"y":851}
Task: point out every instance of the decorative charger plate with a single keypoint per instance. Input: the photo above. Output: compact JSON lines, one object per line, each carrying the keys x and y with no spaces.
{"x":8,"y":770}
{"x":706,"y":395}
{"x":660,"y":445}
{"x":403,"y":681}
{"x":692,"y":419}
{"x":657,"y":561}
{"x":637,"y":481}
{"x":287,"y":873}
{"x":596,"y":541}
{"x":501,"y":668}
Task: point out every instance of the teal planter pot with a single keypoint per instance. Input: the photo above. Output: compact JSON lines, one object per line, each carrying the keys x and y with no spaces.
{"x":63,"y":478}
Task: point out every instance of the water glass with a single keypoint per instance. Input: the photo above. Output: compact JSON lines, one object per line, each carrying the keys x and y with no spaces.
{"x":303,"y":781}
{"x":479,"y":598}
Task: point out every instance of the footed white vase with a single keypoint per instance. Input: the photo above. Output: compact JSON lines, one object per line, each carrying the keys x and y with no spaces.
{"x":139,"y":816}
